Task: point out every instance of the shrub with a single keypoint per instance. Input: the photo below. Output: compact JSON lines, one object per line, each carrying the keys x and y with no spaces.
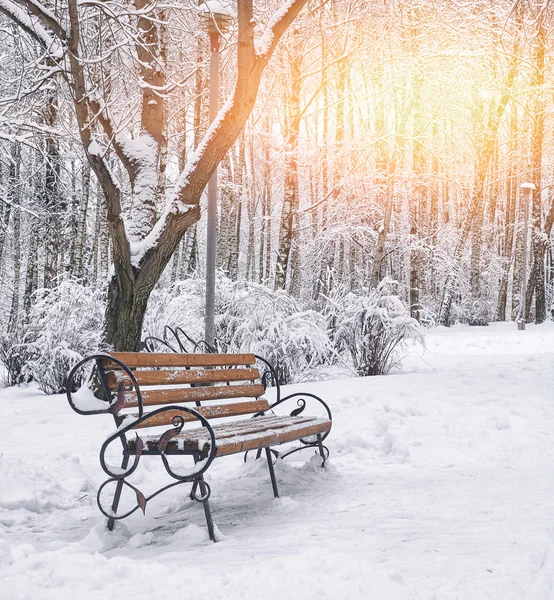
{"x":14,"y":356}
{"x":65,"y":325}
{"x":273,"y":325}
{"x":249,"y":318}
{"x":374,"y":329}
{"x":181,"y":305}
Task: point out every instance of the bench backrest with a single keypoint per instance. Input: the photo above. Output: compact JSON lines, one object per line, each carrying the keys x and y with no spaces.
{"x":219,"y":385}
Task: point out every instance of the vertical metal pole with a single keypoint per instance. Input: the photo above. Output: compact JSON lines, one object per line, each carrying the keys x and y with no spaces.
{"x":212,"y":199}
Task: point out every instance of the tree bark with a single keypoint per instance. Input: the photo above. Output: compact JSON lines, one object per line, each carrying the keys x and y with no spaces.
{"x":290,"y":200}
{"x":509,"y":219}
{"x":51,"y":196}
{"x":14,"y":195}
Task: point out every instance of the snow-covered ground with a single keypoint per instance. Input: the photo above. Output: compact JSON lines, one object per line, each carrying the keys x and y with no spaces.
{"x":440,"y":486}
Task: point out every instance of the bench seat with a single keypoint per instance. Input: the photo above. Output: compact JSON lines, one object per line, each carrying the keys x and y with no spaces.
{"x":240,"y":436}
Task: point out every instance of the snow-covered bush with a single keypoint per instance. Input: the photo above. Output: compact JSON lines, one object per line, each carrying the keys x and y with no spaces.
{"x":181,"y":305}
{"x":375,"y":329}
{"x":64,"y":325}
{"x":273,"y":325}
{"x":14,"y":356}
{"x":249,"y":318}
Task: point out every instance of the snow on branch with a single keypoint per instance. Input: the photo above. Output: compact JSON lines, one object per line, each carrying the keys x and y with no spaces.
{"x":276,"y":27}
{"x":33,"y":27}
{"x":280,"y":20}
{"x":222,"y":133}
{"x":46,"y":16}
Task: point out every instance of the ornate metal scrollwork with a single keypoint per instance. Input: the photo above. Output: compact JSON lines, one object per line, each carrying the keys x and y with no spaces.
{"x":164,"y":439}
{"x":301,"y":403}
{"x":142,"y":500}
{"x":168,"y":435}
{"x":205,"y":491}
{"x":259,"y":451}
{"x":268,"y":376}
{"x":315,"y":445}
{"x":112,"y":406}
{"x":176,"y":340}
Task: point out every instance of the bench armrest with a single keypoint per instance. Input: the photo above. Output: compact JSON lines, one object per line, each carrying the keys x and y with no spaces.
{"x":302,"y":400}
{"x":270,"y":376}
{"x":178,"y":422}
{"x":84,"y":402}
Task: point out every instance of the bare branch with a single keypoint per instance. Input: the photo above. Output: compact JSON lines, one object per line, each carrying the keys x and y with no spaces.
{"x":33,"y":28}
{"x":46,"y":17}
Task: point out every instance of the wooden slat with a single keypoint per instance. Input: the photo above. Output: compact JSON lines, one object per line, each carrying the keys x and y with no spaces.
{"x":210,"y":412}
{"x":152,"y":359}
{"x":153,"y":397}
{"x":180,"y":376}
{"x":270,"y":438}
{"x":241,"y":436}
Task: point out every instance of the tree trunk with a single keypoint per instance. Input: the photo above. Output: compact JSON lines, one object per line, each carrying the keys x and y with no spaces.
{"x":264,"y":258}
{"x":78,"y":270}
{"x":14,"y":312}
{"x":509,"y":220}
{"x":96,"y":235}
{"x":225,"y":208}
{"x":320,"y":286}
{"x":6,"y":212}
{"x":125,"y":315}
{"x":103,"y":239}
{"x":236,"y":221}
{"x":291,"y":200}
{"x":419,"y":189}
{"x":31,"y":272}
{"x":51,"y":197}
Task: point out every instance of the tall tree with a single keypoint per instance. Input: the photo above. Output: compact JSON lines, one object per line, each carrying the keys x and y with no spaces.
{"x":143,"y":245}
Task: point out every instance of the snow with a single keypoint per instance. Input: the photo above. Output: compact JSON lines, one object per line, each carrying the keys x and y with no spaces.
{"x":85,"y":400}
{"x":94,"y":149}
{"x":440,"y":486}
{"x":195,"y":156}
{"x":142,"y":152}
{"x":53,"y":47}
{"x":263,"y":43}
{"x":139,"y":247}
{"x":216,"y":7}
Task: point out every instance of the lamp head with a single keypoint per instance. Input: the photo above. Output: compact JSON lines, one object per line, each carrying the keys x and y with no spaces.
{"x":216,"y":16}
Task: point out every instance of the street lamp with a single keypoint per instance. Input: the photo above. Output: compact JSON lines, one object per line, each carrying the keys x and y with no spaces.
{"x":529,"y":187}
{"x":215,"y":18}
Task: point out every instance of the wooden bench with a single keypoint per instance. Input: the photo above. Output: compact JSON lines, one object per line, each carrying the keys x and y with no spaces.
{"x":147,"y":392}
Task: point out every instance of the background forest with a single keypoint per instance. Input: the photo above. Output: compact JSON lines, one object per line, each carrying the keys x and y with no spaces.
{"x":388,"y":144}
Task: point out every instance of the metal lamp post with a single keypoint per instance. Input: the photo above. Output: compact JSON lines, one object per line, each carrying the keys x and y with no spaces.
{"x":529,"y":188}
{"x":215,"y":19}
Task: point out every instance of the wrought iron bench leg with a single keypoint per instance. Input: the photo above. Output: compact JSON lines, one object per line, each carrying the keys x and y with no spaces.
{"x":321,"y":449}
{"x":204,"y":490}
{"x":272,"y":472}
{"x":117,"y":494}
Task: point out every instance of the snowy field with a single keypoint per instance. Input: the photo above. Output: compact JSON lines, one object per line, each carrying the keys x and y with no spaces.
{"x":440,"y":486}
